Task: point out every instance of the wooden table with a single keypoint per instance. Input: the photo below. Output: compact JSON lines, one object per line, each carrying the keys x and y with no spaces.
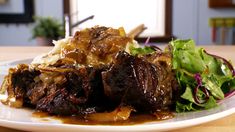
{"x":225,"y":124}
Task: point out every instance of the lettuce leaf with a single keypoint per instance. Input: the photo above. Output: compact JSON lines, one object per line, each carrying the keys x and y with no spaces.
{"x":180,"y":107}
{"x":141,"y":50}
{"x":213,"y":85}
{"x":216,"y":77}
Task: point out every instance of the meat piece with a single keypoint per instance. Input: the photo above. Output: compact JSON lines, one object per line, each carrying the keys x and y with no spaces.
{"x":58,"y":103}
{"x":17,"y":83}
{"x":36,"y":93}
{"x":81,"y":93}
{"x":138,"y":83}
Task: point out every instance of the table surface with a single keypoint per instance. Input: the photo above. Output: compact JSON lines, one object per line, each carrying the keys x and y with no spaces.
{"x":224,"y":124}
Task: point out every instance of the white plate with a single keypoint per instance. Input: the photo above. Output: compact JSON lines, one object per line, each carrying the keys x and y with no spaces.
{"x":22,"y":119}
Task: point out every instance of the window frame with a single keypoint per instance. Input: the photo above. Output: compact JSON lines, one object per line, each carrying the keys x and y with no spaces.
{"x":26,"y":17}
{"x":168,"y":23}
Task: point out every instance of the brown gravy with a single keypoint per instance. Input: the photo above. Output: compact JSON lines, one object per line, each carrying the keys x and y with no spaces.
{"x":133,"y":120}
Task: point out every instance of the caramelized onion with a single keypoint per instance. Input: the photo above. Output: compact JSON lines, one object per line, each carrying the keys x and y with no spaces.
{"x":119,"y":114}
{"x":17,"y":103}
{"x":163,"y":115}
{"x":12,"y":101}
{"x":4,"y":85}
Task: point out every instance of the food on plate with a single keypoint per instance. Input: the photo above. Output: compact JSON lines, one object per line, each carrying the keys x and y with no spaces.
{"x":101,"y":74}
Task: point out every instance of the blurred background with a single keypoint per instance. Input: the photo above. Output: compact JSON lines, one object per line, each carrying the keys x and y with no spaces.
{"x":38,"y":22}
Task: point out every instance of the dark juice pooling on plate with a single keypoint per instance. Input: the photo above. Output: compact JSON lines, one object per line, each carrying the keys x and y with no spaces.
{"x":133,"y":119}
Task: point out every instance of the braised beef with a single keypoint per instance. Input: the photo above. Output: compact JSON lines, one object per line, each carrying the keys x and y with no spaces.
{"x":138,"y":83}
{"x":20,"y":80}
{"x":58,"y":103}
{"x":82,"y":93}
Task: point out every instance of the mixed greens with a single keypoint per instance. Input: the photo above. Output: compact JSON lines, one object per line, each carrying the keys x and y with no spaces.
{"x":204,"y":79}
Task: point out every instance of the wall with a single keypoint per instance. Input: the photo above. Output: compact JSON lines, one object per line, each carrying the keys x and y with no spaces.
{"x":190,"y":19}
{"x":13,"y":34}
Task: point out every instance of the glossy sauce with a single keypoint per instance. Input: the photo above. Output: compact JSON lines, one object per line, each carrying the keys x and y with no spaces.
{"x":133,"y":120}
{"x":95,"y":46}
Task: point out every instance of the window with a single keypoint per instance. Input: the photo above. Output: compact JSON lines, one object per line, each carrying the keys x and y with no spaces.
{"x":17,"y":11}
{"x":154,"y":14}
